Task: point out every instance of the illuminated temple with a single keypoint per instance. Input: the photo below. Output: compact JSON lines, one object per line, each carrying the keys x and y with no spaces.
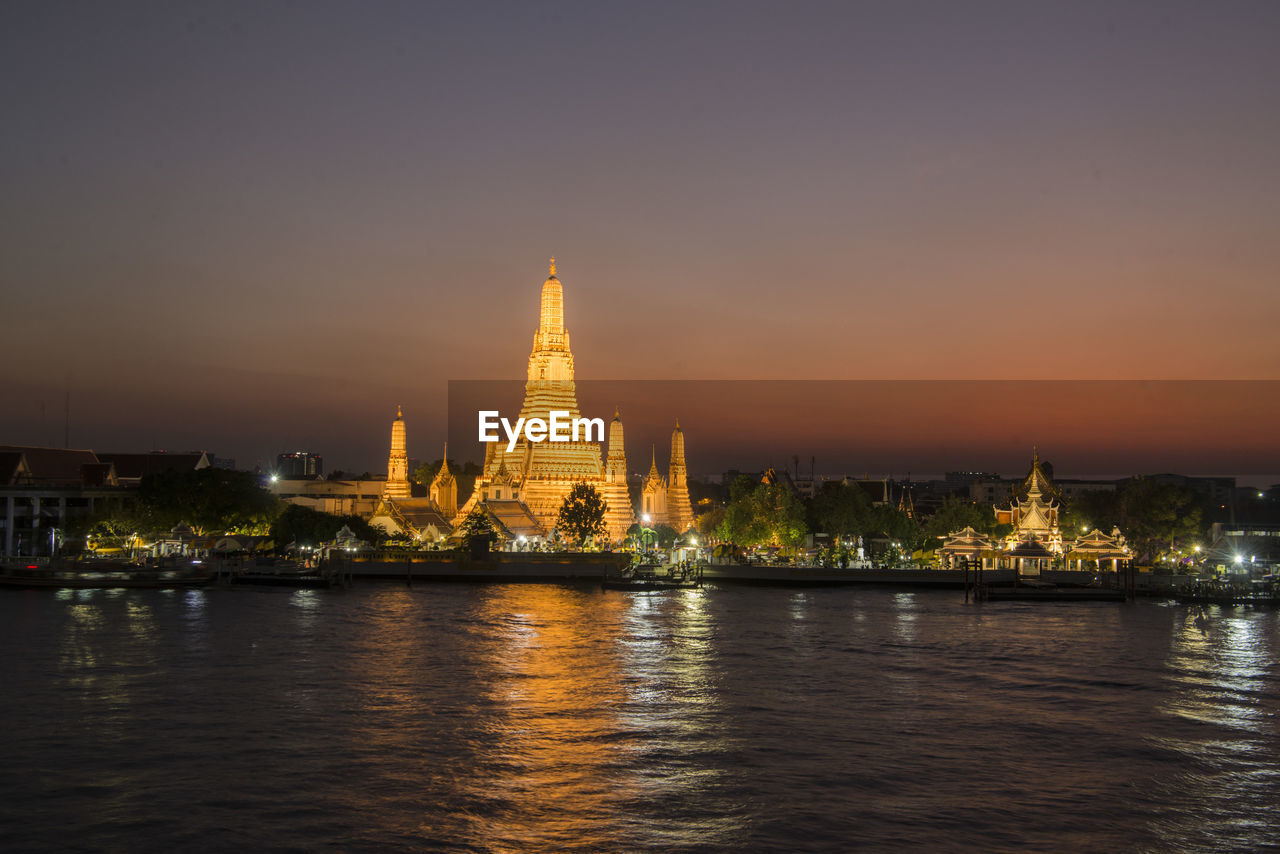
{"x":1035,"y":541}
{"x":398,"y":512}
{"x":665,"y":500}
{"x":540,"y":474}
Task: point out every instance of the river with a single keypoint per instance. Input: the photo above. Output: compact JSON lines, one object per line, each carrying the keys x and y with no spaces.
{"x":562,"y":718}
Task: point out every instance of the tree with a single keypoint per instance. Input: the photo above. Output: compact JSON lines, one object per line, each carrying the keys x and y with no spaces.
{"x":666,"y":536}
{"x":582,"y":514}
{"x":1158,"y":517}
{"x":305,"y":526}
{"x":840,"y":509}
{"x":897,"y":526}
{"x":477,"y":531}
{"x":762,"y":513}
{"x":709,"y":523}
{"x":210,"y":500}
{"x":958,"y":513}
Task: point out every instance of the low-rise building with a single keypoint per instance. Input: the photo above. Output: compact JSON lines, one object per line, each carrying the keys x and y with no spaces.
{"x":46,"y":492}
{"x":339,"y":497}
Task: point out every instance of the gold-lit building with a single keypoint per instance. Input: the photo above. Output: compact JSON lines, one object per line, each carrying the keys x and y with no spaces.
{"x":541,"y":474}
{"x":398,"y":512}
{"x":397,"y":485}
{"x":665,"y":500}
{"x":1036,"y":541}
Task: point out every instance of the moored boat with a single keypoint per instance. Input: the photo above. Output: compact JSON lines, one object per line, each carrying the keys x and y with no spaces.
{"x":100,"y":576}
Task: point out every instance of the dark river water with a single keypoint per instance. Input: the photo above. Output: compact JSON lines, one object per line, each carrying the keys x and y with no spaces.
{"x":557,"y":718}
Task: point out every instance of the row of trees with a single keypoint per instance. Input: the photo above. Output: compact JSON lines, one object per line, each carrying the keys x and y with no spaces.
{"x":1155,"y":517}
{"x":217,"y":501}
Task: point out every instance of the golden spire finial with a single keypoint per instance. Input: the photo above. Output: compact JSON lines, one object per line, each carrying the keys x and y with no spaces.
{"x":399,"y":414}
{"x":553,"y":266}
{"x":617,"y":413}
{"x":677,"y":423}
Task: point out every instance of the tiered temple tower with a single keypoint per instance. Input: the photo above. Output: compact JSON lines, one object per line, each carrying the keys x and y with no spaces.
{"x":542,"y":473}
{"x":444,"y":488}
{"x":619,"y":516}
{"x":397,"y":485}
{"x":679,"y":510}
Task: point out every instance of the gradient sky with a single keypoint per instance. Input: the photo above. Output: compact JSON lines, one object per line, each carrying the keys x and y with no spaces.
{"x":250,"y":227}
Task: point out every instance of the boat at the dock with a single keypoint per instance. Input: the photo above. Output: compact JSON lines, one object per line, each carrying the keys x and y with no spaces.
{"x":651,"y":576}
{"x":1259,"y":592}
{"x":1032,"y":592}
{"x":102,"y":575}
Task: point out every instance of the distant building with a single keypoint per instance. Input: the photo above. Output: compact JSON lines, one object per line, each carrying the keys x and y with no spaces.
{"x":423,"y":519}
{"x":665,"y":500}
{"x":43,"y":491}
{"x":299,"y":464}
{"x":339,"y":497}
{"x":132,"y":468}
{"x":1252,"y":548}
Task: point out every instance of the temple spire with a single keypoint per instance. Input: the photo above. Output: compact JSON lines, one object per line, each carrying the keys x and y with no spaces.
{"x":553,"y":267}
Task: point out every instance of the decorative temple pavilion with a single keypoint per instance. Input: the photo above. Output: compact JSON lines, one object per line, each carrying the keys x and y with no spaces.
{"x":1036,"y":541}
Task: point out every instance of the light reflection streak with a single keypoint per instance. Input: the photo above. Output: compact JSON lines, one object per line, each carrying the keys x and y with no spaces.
{"x":1220,"y":666}
{"x":554,"y":681}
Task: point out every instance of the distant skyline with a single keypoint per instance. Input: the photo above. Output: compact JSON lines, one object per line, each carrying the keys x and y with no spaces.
{"x":253,"y":228}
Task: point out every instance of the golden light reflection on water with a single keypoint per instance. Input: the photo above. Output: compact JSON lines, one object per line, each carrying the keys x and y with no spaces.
{"x":554,"y":677}
{"x":572,"y":710}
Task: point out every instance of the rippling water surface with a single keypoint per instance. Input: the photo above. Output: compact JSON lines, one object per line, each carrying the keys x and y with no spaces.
{"x":551,"y":718}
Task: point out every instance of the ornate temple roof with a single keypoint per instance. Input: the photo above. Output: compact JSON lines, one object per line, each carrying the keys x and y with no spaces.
{"x":1099,"y":544}
{"x":513,"y":519}
{"x":413,"y":515}
{"x":1030,"y":549}
{"x":966,"y":540}
{"x":654,"y":476}
{"x":1037,"y":482}
{"x":443,"y":477}
{"x":503,"y":476}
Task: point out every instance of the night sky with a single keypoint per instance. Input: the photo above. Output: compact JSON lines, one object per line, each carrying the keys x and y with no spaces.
{"x":257,"y":227}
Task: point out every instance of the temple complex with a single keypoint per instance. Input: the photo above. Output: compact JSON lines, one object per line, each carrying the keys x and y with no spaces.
{"x":1036,"y":541}
{"x":541,"y":474}
{"x":665,"y":500}
{"x":398,"y":512}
